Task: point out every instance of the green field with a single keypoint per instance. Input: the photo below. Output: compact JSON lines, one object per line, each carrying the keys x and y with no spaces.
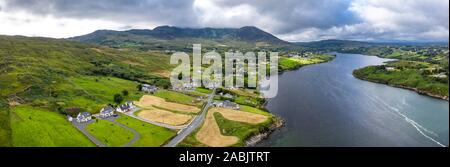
{"x":175,"y":97}
{"x":285,"y":63}
{"x":96,"y":92}
{"x":239,"y":129}
{"x":203,"y":90}
{"x":254,"y":110}
{"x":38,"y":127}
{"x":109,"y":133}
{"x":151,"y":135}
{"x":409,"y":74}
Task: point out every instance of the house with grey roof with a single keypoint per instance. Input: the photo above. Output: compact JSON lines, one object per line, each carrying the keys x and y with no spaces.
{"x":106,"y":112}
{"x":128,"y":106}
{"x":226,"y":104}
{"x":149,"y":88}
{"x":84,"y":117}
{"x":229,"y":96}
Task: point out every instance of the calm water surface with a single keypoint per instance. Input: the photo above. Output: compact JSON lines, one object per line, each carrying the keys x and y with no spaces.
{"x":324,"y":105}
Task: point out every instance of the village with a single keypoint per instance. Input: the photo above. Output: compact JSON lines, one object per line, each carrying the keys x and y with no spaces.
{"x":195,"y":119}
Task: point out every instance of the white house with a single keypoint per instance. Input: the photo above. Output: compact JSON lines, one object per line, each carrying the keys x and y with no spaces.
{"x":149,"y":88}
{"x":390,"y":68}
{"x":107,"y":112}
{"x":128,"y":106}
{"x":84,"y":117}
{"x":226,"y":104}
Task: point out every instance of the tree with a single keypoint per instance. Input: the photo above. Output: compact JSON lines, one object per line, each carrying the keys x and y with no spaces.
{"x":125,"y":92}
{"x":118,"y":98}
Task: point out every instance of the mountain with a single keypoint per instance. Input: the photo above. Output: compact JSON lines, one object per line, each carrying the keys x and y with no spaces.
{"x":169,"y":37}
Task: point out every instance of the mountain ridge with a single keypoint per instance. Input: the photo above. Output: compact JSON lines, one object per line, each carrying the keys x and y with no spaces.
{"x":219,"y":36}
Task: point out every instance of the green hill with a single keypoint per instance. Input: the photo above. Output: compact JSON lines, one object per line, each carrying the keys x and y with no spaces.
{"x":176,"y":38}
{"x":55,"y":75}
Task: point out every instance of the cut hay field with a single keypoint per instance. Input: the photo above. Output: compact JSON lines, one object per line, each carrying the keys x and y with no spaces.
{"x":225,"y":127}
{"x":211,"y":135}
{"x":148,"y":101}
{"x":151,"y":135}
{"x":109,"y":133}
{"x":165,"y":117}
{"x":31,"y":127}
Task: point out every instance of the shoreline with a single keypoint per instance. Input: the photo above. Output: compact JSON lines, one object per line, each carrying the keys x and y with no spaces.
{"x":420,"y":92}
{"x":279,"y":121}
{"x":255,"y":139}
{"x":304,"y":65}
{"x":402,"y":87}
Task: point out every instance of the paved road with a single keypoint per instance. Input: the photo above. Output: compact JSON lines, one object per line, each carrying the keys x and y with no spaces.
{"x":193,"y":125}
{"x":82,"y":128}
{"x":131,"y":114}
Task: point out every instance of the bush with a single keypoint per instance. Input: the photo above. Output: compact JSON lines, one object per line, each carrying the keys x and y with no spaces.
{"x":118,"y":98}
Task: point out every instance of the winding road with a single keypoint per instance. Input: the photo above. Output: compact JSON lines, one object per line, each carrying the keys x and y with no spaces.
{"x":197,"y":121}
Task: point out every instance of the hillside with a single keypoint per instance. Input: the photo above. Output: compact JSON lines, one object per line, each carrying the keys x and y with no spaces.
{"x":54,"y":75}
{"x":176,"y":38}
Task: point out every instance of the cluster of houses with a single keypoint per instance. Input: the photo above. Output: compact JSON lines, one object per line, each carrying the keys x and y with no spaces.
{"x":300,"y":54}
{"x":390,"y":68}
{"x":440,"y":75}
{"x":104,"y":112}
{"x":226,"y":104}
{"x":184,"y":87}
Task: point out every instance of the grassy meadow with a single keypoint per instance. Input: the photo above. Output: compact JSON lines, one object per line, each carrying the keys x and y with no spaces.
{"x":285,"y":63}
{"x":39,"y":127}
{"x":151,"y":135}
{"x":411,"y":74}
{"x":110,"y":134}
{"x":176,"y":97}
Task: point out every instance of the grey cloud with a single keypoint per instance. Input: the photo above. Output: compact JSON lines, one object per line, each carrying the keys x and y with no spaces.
{"x":128,"y":11}
{"x":320,"y":19}
{"x":294,"y":14}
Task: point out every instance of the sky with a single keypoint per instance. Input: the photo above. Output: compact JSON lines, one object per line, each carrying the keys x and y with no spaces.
{"x":291,"y":20}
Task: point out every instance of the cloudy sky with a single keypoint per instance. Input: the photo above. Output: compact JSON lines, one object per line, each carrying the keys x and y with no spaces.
{"x":292,"y":20}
